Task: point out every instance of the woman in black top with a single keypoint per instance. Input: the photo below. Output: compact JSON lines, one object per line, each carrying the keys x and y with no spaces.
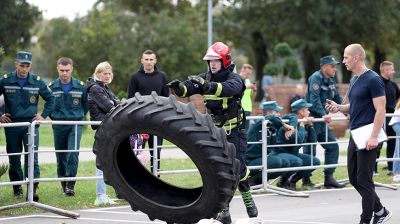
{"x":101,"y":100}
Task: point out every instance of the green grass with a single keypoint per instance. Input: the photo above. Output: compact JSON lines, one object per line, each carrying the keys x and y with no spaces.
{"x":50,"y":192}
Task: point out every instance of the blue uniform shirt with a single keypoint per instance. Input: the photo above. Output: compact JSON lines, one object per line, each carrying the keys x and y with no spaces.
{"x":71,"y":105}
{"x":361,"y":93}
{"x":319,"y":89}
{"x":21,"y":102}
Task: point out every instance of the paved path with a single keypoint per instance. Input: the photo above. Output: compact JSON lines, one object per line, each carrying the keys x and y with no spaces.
{"x":328,"y":207}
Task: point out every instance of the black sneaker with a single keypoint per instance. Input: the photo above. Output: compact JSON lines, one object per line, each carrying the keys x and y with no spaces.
{"x":380,"y":219}
{"x":224,"y":216}
{"x":18,"y":192}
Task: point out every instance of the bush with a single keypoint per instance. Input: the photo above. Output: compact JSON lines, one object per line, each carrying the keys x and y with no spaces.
{"x":271,"y":69}
{"x":291,"y":68}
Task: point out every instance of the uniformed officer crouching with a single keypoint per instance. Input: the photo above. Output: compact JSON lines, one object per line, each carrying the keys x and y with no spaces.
{"x":21,"y":90}
{"x":70,"y":105}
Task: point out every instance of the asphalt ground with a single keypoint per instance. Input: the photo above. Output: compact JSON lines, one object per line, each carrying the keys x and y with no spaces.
{"x":321,"y":207}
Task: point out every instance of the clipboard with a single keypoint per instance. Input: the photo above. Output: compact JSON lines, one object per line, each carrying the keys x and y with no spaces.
{"x":360,"y":135}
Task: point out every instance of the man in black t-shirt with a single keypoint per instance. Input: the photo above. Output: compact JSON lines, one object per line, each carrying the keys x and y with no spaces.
{"x":146,"y":80}
{"x":366,"y":105}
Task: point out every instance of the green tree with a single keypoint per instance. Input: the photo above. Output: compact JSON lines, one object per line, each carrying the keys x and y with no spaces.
{"x":315,"y":28}
{"x":17,"y":17}
{"x":112,"y":33}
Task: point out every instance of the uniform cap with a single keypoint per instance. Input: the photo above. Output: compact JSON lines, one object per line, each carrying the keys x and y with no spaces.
{"x":271,"y":105}
{"x":330,"y":60}
{"x":299,"y":104}
{"x":24,"y":57}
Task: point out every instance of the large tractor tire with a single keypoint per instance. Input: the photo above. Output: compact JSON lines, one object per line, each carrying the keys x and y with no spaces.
{"x":189,"y":130}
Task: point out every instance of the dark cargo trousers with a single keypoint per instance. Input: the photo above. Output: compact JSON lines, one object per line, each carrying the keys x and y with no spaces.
{"x":64,"y":139}
{"x":18,"y":138}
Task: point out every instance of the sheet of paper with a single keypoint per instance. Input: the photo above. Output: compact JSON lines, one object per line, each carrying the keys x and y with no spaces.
{"x":360,"y":135}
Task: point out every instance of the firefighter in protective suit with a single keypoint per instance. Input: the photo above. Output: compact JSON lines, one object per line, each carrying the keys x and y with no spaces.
{"x":222,"y":90}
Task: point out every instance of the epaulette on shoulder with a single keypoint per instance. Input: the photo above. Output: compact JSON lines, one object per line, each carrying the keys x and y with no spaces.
{"x":5,"y":76}
{"x":51,"y":83}
{"x":82,"y":83}
{"x":38,"y":77}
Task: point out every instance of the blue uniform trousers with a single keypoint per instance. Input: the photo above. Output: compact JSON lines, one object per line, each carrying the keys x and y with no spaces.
{"x":299,"y":159}
{"x":331,"y":150}
{"x":16,"y":137}
{"x":273,"y":162}
{"x":64,"y":139}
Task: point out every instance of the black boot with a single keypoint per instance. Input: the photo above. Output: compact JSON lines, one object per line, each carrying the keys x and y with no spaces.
{"x":283,"y":182}
{"x":330,"y":182}
{"x":307,"y":182}
{"x":244,"y":188}
{"x":63,"y":184}
{"x":251,"y":207}
{"x":224,"y":216}
{"x":18,"y":192}
{"x":35,"y":194}
{"x":69,"y":188}
{"x":293,"y":180}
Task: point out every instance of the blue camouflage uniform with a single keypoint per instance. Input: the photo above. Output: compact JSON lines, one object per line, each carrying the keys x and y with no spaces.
{"x":22,"y":104}
{"x":69,"y":106}
{"x":319,"y":90}
{"x":254,"y":151}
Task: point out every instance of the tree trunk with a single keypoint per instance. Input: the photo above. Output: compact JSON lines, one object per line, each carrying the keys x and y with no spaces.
{"x":311,"y":63}
{"x":379,"y":56}
{"x":261,"y":57}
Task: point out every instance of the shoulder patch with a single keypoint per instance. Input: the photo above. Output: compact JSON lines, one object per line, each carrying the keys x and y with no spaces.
{"x":315,"y":86}
{"x":38,"y":77}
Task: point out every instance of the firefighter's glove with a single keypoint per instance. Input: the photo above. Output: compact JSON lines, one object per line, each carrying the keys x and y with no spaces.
{"x":199,"y":81}
{"x":177,"y":86}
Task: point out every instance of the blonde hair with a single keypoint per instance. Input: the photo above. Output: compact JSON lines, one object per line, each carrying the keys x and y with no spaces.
{"x":100,"y":68}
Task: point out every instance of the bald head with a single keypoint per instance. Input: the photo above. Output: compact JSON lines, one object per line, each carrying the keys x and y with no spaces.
{"x":354,"y":59}
{"x":356,"y":50}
